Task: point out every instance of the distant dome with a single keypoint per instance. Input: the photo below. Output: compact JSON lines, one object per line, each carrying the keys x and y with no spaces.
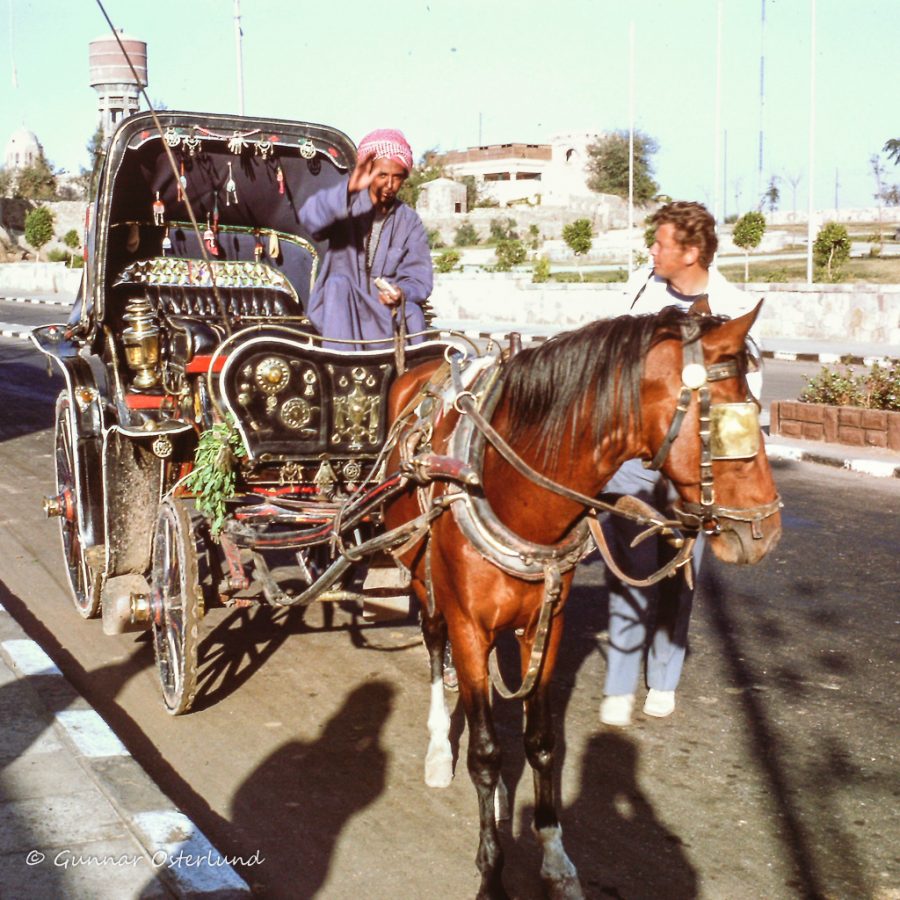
{"x":23,"y":149}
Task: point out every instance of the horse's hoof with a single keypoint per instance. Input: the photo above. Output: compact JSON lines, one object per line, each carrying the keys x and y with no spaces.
{"x":439,"y":769}
{"x":566,"y":888}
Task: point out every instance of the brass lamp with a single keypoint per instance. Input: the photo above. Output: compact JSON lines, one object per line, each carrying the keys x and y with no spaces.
{"x":141,"y":340}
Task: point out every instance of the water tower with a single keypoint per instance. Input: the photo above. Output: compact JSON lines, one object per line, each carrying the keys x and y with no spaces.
{"x":112,"y":79}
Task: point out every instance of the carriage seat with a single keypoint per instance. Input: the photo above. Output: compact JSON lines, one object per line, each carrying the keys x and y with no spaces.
{"x":183,"y":296}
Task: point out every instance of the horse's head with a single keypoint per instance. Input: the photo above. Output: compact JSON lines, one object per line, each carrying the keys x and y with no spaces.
{"x":701,"y":425}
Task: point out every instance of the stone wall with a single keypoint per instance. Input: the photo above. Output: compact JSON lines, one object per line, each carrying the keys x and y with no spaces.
{"x":841,"y":312}
{"x":605,"y":212}
{"x":39,"y":278}
{"x":67,"y":214}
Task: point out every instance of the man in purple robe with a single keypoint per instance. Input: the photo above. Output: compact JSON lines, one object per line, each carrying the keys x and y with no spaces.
{"x":371,"y":235}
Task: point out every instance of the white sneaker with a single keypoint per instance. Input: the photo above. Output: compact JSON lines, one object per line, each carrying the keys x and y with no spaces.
{"x":616,"y":710}
{"x":659,"y":703}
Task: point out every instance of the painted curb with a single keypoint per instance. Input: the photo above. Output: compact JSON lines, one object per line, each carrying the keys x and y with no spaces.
{"x":181,"y":856}
{"x":878,"y":468}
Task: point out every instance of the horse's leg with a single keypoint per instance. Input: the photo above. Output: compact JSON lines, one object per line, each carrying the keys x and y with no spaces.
{"x":439,"y":756}
{"x":484,"y":770}
{"x":557,"y":871}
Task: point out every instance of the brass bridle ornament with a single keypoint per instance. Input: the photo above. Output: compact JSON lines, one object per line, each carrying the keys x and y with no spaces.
{"x":727,"y":431}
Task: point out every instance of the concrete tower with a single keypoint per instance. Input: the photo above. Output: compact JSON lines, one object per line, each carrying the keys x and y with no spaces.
{"x":111,"y":78}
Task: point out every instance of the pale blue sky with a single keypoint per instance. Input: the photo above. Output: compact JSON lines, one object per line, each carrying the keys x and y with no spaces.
{"x":449,"y":71}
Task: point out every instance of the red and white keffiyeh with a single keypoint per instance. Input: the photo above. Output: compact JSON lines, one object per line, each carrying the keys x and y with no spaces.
{"x":386,"y":143}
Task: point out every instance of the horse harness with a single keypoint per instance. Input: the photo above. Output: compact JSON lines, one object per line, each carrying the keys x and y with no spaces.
{"x":727,"y":431}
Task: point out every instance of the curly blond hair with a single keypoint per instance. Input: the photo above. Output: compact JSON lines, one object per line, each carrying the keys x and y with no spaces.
{"x":694,"y":227}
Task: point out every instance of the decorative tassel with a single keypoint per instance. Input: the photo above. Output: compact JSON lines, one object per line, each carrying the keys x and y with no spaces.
{"x":166,"y":242}
{"x":258,"y":248}
{"x":274,"y":248}
{"x":182,"y":184}
{"x":159,"y":211}
{"x":209,"y":238}
{"x":230,"y":188}
{"x":279,"y":177}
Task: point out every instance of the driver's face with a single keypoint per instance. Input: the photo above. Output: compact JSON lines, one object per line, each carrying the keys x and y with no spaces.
{"x":387,"y":178}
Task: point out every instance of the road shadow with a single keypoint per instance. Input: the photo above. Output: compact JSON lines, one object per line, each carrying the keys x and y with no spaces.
{"x":295,"y":804}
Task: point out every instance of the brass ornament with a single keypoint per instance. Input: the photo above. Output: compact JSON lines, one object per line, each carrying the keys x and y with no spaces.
{"x":734,"y":430}
{"x":295,"y":413}
{"x":272,"y":375}
{"x":693,"y":376}
{"x":162,"y":447}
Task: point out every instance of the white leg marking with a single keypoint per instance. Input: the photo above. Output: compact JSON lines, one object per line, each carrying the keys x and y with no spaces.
{"x":439,"y":758}
{"x":557,"y":869}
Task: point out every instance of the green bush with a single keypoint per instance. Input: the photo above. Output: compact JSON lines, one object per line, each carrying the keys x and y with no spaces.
{"x":57,"y":255}
{"x":447,"y":261}
{"x":510,"y":252}
{"x":434,"y":239}
{"x":72,"y":239}
{"x":541,"y":271}
{"x":877,"y":388}
{"x":504,"y":230}
{"x":39,"y":227}
{"x":831,"y":249}
{"x":466,"y":235}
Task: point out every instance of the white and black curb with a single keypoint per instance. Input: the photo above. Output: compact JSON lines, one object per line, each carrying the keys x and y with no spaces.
{"x":163,"y":832}
{"x":10,"y":330}
{"x":876,"y":467}
{"x":46,"y":301}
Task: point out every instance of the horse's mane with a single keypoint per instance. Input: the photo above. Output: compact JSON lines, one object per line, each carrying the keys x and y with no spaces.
{"x":546,"y":386}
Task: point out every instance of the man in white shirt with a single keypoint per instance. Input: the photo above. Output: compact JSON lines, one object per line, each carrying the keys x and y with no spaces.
{"x":654,"y":621}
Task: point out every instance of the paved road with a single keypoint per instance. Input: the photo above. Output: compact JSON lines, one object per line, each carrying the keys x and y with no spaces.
{"x":776,"y":777}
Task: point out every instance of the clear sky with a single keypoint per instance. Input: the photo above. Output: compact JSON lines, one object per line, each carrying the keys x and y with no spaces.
{"x":453,"y":73}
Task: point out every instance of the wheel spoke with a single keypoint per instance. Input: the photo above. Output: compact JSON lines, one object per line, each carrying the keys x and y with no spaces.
{"x":176,"y":596}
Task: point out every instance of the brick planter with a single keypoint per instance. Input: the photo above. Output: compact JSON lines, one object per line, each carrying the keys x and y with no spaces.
{"x":836,"y":424}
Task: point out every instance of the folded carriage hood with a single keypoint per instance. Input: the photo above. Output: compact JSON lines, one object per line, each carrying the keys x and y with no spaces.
{"x":238,"y":172}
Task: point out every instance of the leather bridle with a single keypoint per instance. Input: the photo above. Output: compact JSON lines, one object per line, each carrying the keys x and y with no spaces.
{"x":696,"y":376}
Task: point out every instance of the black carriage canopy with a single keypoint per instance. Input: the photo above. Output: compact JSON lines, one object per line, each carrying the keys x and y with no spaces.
{"x":245,"y":178}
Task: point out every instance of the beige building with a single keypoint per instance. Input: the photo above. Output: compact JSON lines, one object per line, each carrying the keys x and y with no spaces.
{"x":441,"y":197}
{"x":532,"y":174}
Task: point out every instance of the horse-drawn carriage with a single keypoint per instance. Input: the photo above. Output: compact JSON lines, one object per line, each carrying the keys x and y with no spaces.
{"x":209,"y":449}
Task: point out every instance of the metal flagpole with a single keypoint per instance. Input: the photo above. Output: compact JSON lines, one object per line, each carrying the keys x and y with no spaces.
{"x":810,"y":229}
{"x":717,"y":206}
{"x":238,"y":36}
{"x":630,"y":147}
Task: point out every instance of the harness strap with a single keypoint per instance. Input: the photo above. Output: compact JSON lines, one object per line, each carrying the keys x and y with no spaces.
{"x":685,"y":551}
{"x":552,"y":592}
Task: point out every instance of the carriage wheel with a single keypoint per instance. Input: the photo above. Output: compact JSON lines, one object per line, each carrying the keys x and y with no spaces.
{"x":175,"y":598}
{"x":84,"y":585}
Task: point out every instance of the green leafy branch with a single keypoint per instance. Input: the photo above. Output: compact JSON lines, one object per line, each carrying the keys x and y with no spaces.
{"x":214,"y":474}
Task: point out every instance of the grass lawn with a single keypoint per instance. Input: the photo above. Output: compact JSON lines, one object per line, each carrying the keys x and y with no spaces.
{"x":871,"y":270}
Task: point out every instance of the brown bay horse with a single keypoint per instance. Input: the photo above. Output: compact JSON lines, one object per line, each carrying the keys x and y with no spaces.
{"x":502,"y":557}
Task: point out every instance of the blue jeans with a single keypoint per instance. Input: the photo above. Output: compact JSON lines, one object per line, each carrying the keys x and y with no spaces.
{"x":651,"y":621}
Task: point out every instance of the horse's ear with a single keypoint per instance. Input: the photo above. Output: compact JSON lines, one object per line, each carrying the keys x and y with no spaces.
{"x":728,"y":338}
{"x":700,"y":307}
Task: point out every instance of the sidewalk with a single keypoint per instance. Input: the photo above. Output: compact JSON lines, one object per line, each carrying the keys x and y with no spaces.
{"x":78,"y":816}
{"x":865,"y":460}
